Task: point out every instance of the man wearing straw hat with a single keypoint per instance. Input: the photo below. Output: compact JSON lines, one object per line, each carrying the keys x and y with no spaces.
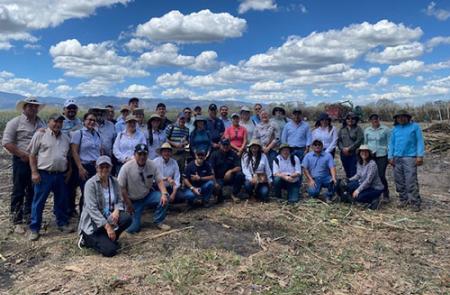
{"x":16,"y":138}
{"x":169,"y":170}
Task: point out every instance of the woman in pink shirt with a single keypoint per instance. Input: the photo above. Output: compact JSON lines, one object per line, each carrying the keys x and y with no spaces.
{"x":237,"y":135}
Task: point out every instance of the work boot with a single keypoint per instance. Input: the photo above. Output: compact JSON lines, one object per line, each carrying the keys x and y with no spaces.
{"x":34,"y":236}
{"x":235,"y":199}
{"x":402,"y":204}
{"x":19,"y":229}
{"x":163,"y":227}
{"x":66,"y":229}
{"x":415,"y":207}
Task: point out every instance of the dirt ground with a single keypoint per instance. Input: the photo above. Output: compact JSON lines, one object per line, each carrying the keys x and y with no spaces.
{"x":249,"y":248}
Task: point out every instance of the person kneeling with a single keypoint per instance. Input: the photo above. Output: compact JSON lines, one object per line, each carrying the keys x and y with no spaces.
{"x":227,"y":170}
{"x":365,"y":186}
{"x":287,"y":172}
{"x":170,"y":172}
{"x":103,"y":218}
{"x":198,"y":179}
{"x":136,"y":182}
{"x":320,"y":171}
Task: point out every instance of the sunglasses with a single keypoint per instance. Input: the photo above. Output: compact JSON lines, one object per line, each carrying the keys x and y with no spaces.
{"x":92,"y":120}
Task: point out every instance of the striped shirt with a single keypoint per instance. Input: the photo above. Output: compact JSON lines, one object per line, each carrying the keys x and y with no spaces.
{"x":177,"y":134}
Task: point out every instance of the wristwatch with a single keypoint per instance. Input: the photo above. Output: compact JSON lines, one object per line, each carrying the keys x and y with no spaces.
{"x":191,"y":188}
{"x":166,"y":194}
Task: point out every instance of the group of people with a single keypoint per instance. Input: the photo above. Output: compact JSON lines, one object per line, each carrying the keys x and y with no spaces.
{"x":126,"y":165}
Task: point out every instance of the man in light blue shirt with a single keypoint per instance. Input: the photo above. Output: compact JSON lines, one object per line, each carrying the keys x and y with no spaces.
{"x":297,"y":134}
{"x":120,"y":124}
{"x":377,"y":137}
{"x":405,"y":152}
{"x":255,"y":118}
{"x":71,"y":122}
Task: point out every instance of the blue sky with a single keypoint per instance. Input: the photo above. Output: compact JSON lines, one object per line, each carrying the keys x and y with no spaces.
{"x":255,"y":50}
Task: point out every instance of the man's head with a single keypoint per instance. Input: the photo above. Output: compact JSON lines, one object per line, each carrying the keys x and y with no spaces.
{"x":125,"y":111}
{"x":110,"y":114}
{"x":225,"y":145}
{"x":133,"y":103}
{"x":278,"y":112}
{"x":55,"y":122}
{"x":181,"y":119}
{"x":100,"y":114}
{"x":297,"y":115}
{"x":351,"y":119}
{"x":200,"y":156}
{"x":402,"y":117}
{"x":374,"y":120}
{"x":187,"y":113}
{"x":198,"y":111}
{"x":257,"y":108}
{"x":141,"y":154}
{"x":212,"y":110}
{"x":317,"y":146}
{"x":161,"y":110}
{"x":29,"y":106}
{"x":70,"y":109}
{"x":285,"y":150}
{"x":224,"y":111}
{"x":165,"y":151}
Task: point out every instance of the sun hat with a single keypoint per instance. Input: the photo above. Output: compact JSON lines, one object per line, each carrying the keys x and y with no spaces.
{"x":29,"y":100}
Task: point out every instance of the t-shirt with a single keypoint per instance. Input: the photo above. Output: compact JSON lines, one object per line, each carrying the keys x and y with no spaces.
{"x":138,"y":180}
{"x":222,"y":162}
{"x":202,"y":171}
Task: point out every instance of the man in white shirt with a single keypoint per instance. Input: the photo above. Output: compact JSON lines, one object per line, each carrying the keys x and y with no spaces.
{"x":169,"y":170}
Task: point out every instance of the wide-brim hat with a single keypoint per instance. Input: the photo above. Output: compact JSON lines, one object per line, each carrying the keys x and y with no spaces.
{"x":284,"y":146}
{"x":402,"y":113}
{"x":154,"y":117}
{"x":29,"y":100}
{"x":164,"y":146}
{"x":364,"y":147}
{"x":280,"y":109}
{"x":125,"y":108}
{"x":131,"y":118}
{"x":200,"y":118}
{"x":138,"y":111}
{"x":245,"y":109}
{"x":323,"y":116}
{"x":254,"y":142}
{"x":101,"y":109}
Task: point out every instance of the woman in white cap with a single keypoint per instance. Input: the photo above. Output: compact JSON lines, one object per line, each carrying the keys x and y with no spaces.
{"x":256,"y":169}
{"x":365,"y":186}
{"x":155,"y":136}
{"x":126,"y":141}
{"x":103,"y":218}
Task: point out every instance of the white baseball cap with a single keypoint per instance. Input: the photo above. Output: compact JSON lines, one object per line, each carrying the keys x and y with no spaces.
{"x":70,"y":102}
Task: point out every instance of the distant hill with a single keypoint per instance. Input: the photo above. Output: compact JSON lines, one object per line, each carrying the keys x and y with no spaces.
{"x":8,"y":101}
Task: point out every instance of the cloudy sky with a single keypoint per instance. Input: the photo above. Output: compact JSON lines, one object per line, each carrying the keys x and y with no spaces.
{"x":255,"y":50}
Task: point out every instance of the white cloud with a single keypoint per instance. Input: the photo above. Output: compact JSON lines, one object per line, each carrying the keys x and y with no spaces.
{"x":19,"y":17}
{"x":436,"y":41}
{"x":177,"y":93}
{"x":383,"y":81}
{"x":5,"y":74}
{"x":23,"y":86}
{"x":171,"y":80}
{"x":95,"y":61}
{"x":202,"y":26}
{"x":95,"y":87}
{"x":138,"y":45}
{"x":167,"y":55}
{"x":438,"y":13}
{"x":323,"y":92}
{"x":396,"y":54}
{"x":405,"y":69}
{"x":268,"y":86}
{"x":57,"y":81}
{"x":63,"y":89}
{"x":258,"y":5}
{"x":137,"y":91}
{"x":223,"y":94}
{"x":357,"y":85}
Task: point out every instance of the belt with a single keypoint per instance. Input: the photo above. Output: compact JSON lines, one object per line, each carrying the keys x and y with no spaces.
{"x":298,"y":147}
{"x":51,"y":172}
{"x":88,"y":163}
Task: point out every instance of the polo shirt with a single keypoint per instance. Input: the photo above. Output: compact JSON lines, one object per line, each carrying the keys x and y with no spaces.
{"x":168,"y":169}
{"x":296,"y":135}
{"x":138,"y":180}
{"x":51,"y":150}
{"x":108,"y":134}
{"x":177,"y":134}
{"x":377,"y":139}
{"x":89,"y":146}
{"x":226,"y":122}
{"x":216,"y":128}
{"x":222,"y":162}
{"x":20,"y":131}
{"x":318,"y":165}
{"x":236,"y":135}
{"x":202,"y":171}
{"x":164,"y":123}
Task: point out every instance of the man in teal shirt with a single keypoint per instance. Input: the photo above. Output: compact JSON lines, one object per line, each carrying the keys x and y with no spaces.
{"x":377,"y":137}
{"x":405,"y":152}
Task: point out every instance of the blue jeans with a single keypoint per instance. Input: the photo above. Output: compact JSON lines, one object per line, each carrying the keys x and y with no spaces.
{"x":153,"y":200}
{"x":366,"y":196}
{"x":206,"y":190}
{"x":349,"y":163}
{"x":293,"y":189}
{"x":321,"y":182}
{"x":261,"y":190}
{"x":49,"y":183}
{"x":271,"y":155}
{"x":299,"y":152}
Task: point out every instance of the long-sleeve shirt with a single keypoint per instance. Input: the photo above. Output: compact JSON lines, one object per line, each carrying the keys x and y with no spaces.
{"x":377,"y":139}
{"x":155,"y":142}
{"x":265,"y":132}
{"x":367,"y":176}
{"x":350,"y":138}
{"x":406,"y":141}
{"x":327,"y":137}
{"x":168,"y":169}
{"x":124,"y":145}
{"x":296,"y":135}
{"x":284,"y":166}
{"x":263,"y":167}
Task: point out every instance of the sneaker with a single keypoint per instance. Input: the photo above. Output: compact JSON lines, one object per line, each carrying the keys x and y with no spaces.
{"x":415,"y":208}
{"x":34,"y":236}
{"x":66,"y":229}
{"x":375,"y":204}
{"x":163,"y":227}
{"x":81,"y":242}
{"x":235,"y":199}
{"x":19,"y":229}
{"x":328,"y":200}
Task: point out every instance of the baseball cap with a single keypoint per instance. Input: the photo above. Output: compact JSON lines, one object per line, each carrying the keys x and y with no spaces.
{"x":70,"y":102}
{"x":245,"y":109}
{"x":103,"y":160}
{"x":235,"y":115}
{"x":56,"y":117}
{"x":212,"y":107}
{"x":141,"y":148}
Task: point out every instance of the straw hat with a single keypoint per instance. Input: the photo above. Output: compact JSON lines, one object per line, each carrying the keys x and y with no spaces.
{"x":131,"y":118}
{"x":29,"y":100}
{"x":254,"y":142}
{"x":164,"y":146}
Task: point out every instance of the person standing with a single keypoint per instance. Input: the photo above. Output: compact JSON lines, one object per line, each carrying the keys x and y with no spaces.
{"x":405,"y":152}
{"x":177,"y":135}
{"x":103,"y":218}
{"x":71,"y":121}
{"x":105,"y":129}
{"x":189,"y":119}
{"x":16,"y":138}
{"x":237,"y":135}
{"x":110,"y":115}
{"x":326,"y":133}
{"x":133,"y":103}
{"x":287,"y":172}
{"x":266,"y":132}
{"x":279,"y":119}
{"x":297,"y":134}
{"x":126,"y":141}
{"x":49,"y":151}
{"x":155,"y":136}
{"x":247,"y":123}
{"x":199,"y":179}
{"x":120,"y":124}
{"x":227,"y":170}
{"x":224,"y":116}
{"x":377,"y":137}
{"x":140,"y":124}
{"x":215,"y":126}
{"x":256,"y":118}
{"x":161,"y":111}
{"x":197,"y":111}
{"x":136,"y":179}
{"x":350,"y":137}
{"x":200,"y":139}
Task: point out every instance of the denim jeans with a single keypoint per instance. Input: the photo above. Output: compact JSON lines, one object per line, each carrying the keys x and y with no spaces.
{"x":349,"y":163}
{"x":293,"y":189}
{"x":324,"y":181}
{"x":91,"y":170}
{"x":236,"y":182}
{"x":271,"y":155}
{"x":22,"y":192}
{"x":153,"y":200}
{"x":366,"y":196}
{"x":260,"y":190}
{"x":206,"y":190}
{"x":299,"y":152}
{"x":49,"y":183}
